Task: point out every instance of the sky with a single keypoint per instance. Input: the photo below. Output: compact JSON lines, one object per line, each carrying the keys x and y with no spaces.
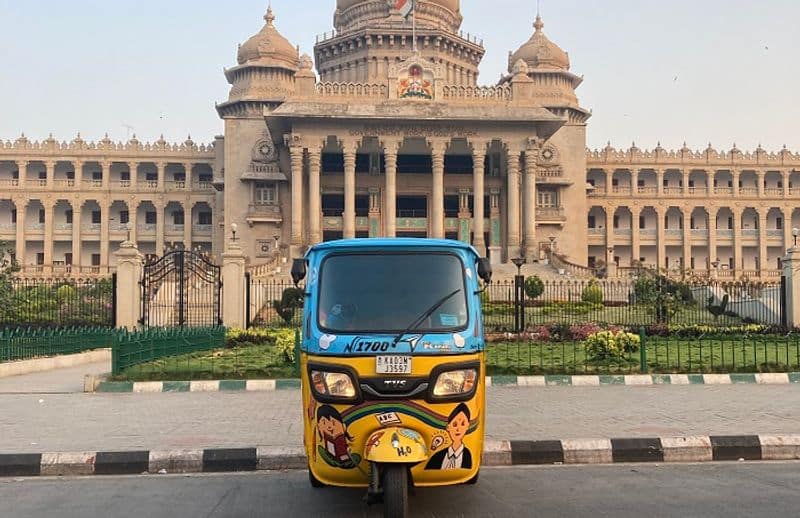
{"x":695,"y":71}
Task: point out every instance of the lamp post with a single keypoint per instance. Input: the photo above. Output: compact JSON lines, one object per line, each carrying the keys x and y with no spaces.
{"x":519,"y":296}
{"x":795,"y":234}
{"x":234,"y":228}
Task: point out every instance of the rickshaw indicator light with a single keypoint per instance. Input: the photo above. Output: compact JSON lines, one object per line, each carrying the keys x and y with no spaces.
{"x":335,"y":384}
{"x":453,"y":383}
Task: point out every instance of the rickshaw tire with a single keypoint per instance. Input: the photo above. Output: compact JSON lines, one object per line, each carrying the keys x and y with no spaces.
{"x":395,"y":491}
{"x":473,"y":480}
{"x":314,"y":480}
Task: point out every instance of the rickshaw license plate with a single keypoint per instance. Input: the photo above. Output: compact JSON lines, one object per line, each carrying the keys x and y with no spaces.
{"x":393,"y":364}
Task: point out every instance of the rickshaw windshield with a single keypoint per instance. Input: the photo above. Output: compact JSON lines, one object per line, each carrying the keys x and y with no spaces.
{"x":386,"y":292}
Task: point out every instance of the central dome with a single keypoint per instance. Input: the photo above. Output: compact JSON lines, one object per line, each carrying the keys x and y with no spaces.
{"x":453,"y":5}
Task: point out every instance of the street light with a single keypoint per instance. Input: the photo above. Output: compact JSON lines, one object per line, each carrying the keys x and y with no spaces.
{"x":518,"y":262}
{"x":795,"y":233}
{"x":234,"y":228}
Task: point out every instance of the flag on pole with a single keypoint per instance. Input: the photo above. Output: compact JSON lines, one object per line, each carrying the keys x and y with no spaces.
{"x":406,"y":7}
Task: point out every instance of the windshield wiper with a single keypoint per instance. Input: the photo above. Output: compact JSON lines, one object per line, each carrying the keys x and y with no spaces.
{"x":416,"y":323}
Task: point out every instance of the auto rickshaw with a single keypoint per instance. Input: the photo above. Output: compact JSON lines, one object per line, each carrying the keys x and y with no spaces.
{"x":392,"y":365}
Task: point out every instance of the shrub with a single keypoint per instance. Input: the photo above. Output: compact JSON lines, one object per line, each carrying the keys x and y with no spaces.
{"x":581,"y":332}
{"x":592,"y":293}
{"x":608,"y":345}
{"x":534,"y":287}
{"x":283,"y":339}
{"x":291,"y":299}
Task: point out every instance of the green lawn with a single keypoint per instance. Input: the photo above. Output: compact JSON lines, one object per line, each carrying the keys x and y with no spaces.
{"x":245,"y":362}
{"x":756,"y":353}
{"x":501,"y":317}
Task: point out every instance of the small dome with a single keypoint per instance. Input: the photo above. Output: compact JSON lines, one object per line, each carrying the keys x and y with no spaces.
{"x":453,"y":5}
{"x":540,"y":52}
{"x":269,"y":46}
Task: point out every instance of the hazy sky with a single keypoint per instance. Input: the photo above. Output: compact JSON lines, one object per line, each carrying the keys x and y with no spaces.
{"x":722,"y":71}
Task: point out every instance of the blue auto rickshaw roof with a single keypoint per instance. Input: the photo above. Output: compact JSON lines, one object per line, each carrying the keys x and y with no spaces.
{"x":400,"y":242}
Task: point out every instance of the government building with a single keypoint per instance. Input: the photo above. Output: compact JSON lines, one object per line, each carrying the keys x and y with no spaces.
{"x":385,"y":131}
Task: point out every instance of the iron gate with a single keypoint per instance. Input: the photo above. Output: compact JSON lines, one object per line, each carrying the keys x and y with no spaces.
{"x":181,"y":289}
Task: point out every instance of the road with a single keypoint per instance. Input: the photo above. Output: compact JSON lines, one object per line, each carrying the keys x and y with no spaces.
{"x":709,"y":490}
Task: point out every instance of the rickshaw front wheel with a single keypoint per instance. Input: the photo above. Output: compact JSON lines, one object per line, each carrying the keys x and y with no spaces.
{"x":395,"y":491}
{"x":313,"y":480}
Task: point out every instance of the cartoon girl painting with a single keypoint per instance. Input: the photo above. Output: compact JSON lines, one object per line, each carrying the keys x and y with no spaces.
{"x":334,"y":439}
{"x":457,"y":455}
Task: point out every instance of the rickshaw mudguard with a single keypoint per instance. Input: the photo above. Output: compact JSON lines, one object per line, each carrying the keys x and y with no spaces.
{"x":396,"y":445}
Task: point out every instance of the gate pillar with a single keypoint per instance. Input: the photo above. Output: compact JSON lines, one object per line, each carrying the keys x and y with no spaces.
{"x":791,"y":273}
{"x":234,"y":286}
{"x":129,"y":293}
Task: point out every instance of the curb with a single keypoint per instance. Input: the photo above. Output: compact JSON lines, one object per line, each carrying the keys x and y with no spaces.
{"x":496,"y":453}
{"x":18,"y":368}
{"x":770,"y":378}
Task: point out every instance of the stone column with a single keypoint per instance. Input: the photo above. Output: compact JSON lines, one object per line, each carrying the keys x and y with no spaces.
{"x":132,"y":222}
{"x":160,"y":220}
{"x":660,"y":181}
{"x":49,"y":206}
{"x":438,"y":149}
{"x":686,"y":177}
{"x":761,"y":177}
{"x":710,"y":179}
{"x":478,"y":180}
{"x":788,"y":238}
{"x":129,"y":273}
{"x":711,"y":213}
{"x":77,"y":209}
{"x":737,"y":238}
{"x":296,"y":154}
{"x":390,"y":149}
{"x":687,"y":235}
{"x":374,"y":212}
{"x":349,"y":224}
{"x":134,"y":169}
{"x":161,"y":167}
{"x":791,"y":270}
{"x":50,"y":171}
{"x":21,"y":204}
{"x":187,"y":168}
{"x":762,"y":241}
{"x":661,"y":244}
{"x":105,"y":216}
{"x":636,"y":251}
{"x":736,"y":174}
{"x":786,"y":177}
{"x":495,"y":226}
{"x":634,"y":181}
{"x":609,"y":181}
{"x":529,"y":226}
{"x":187,"y":225}
{"x":106,"y":166}
{"x":513,"y":244}
{"x":463,"y":216}
{"x":78,"y":165}
{"x":314,"y":195}
{"x":22,"y":165}
{"x":234,"y":267}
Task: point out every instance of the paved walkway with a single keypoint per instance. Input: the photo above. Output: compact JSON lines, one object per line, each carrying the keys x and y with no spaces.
{"x":72,"y":422}
{"x":52,"y":382}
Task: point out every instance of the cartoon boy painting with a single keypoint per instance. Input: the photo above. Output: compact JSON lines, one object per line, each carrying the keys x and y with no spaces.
{"x":456,"y":456}
{"x":334,"y":438}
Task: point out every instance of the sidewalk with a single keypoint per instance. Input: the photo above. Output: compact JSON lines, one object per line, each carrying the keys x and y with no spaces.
{"x":167,"y":421}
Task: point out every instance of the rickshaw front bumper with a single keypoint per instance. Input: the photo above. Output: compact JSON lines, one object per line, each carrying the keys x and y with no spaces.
{"x":396,"y":445}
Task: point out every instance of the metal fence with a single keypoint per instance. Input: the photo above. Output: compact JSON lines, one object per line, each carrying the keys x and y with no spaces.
{"x":711,"y":353}
{"x":131,"y":349}
{"x":27,"y":343}
{"x":508,"y":308}
{"x":273,"y":303}
{"x":57,"y":302}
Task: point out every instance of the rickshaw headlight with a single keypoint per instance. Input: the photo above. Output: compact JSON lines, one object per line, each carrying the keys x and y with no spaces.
{"x":454,"y":383}
{"x":334,"y":384}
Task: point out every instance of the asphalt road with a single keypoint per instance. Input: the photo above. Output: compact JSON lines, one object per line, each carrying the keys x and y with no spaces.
{"x":708,"y":490}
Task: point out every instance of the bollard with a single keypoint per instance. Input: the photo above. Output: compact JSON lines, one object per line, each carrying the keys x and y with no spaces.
{"x":643,"y":350}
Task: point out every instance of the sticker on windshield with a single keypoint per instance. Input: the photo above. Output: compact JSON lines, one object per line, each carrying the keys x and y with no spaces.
{"x":448,"y":320}
{"x":459,"y":341}
{"x":325,"y":341}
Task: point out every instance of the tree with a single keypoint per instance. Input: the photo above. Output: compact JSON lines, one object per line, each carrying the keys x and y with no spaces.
{"x":534,"y":287}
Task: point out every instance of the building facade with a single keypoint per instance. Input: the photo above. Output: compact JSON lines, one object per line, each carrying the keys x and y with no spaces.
{"x":386,"y":132}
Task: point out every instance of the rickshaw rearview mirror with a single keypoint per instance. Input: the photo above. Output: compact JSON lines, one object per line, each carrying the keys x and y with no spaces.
{"x":485,"y":270}
{"x":298,"y":270}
